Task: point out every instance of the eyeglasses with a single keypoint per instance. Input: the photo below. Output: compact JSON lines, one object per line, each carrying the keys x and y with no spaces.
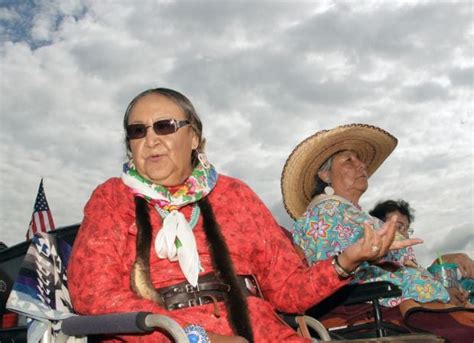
{"x":405,"y":229}
{"x":161,"y":128}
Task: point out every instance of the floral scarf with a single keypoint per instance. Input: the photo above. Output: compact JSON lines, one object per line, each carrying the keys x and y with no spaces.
{"x":197,"y":186}
{"x":175,"y":240}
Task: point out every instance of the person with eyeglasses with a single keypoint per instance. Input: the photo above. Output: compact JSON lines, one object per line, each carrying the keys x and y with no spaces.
{"x":172,"y":236}
{"x":404,"y":214}
{"x":387,"y":209}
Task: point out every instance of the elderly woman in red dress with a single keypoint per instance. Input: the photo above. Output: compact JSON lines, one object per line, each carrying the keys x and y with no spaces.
{"x":174,"y":237}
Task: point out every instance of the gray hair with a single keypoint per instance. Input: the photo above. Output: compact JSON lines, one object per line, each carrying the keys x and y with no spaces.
{"x":320,"y":184}
{"x":326,"y":166}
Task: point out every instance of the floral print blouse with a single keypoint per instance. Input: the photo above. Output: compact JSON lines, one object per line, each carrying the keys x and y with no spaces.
{"x":332,"y":223}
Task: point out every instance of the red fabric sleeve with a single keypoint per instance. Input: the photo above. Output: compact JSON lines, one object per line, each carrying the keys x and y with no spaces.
{"x":285,"y":280}
{"x":101,"y":237}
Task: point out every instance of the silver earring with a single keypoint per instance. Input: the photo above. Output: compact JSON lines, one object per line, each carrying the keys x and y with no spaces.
{"x":328,"y":190}
{"x":203,"y":159}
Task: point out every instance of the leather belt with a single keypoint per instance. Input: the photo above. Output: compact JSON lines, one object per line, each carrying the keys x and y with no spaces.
{"x":209,"y":289}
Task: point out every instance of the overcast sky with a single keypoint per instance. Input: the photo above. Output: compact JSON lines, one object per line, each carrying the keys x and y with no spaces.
{"x":263,"y":75}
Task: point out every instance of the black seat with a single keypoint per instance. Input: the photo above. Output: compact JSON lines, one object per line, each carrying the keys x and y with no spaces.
{"x":357,"y":295}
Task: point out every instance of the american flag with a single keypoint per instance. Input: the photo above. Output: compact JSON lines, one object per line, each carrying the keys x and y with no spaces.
{"x":41,"y":220}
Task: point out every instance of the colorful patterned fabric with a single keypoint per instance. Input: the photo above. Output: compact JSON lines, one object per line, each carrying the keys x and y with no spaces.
{"x":40,"y":289}
{"x":104,"y":252}
{"x":176,"y":241}
{"x":197,"y":186}
{"x":332,"y":223}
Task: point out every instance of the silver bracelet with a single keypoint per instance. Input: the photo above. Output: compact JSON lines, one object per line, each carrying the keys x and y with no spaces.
{"x":344,"y":274}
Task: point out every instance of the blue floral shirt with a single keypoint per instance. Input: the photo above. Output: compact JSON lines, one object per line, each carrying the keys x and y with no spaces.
{"x":331,"y":223}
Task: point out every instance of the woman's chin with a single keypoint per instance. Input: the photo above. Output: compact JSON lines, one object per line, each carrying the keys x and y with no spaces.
{"x":165,"y":174}
{"x":168,"y":180}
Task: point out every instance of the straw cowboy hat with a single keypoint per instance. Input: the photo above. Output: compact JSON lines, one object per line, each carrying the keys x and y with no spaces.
{"x":372,"y":144}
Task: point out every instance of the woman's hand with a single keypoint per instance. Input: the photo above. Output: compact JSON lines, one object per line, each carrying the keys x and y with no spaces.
{"x":458,"y":296}
{"x":373,"y":245}
{"x":396,"y":244}
{"x":216,"y":338}
{"x":464,"y":262}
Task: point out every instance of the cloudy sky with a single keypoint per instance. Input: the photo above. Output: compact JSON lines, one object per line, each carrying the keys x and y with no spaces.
{"x":263,"y":75}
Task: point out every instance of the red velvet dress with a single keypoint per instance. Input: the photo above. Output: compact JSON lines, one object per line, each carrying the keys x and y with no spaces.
{"x":104,"y":251}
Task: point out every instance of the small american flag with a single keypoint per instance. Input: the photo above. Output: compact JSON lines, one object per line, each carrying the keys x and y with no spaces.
{"x":41,"y":220}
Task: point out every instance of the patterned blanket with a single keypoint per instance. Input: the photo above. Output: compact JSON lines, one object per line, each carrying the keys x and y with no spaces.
{"x":40,"y":290}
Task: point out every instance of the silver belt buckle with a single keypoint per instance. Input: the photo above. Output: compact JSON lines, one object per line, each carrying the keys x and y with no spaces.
{"x":191,"y":289}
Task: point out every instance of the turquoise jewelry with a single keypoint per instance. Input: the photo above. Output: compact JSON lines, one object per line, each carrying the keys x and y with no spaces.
{"x":196,"y":334}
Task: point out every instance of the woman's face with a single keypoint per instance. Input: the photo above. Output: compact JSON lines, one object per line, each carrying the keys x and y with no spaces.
{"x":402,"y":224}
{"x":163,"y":159}
{"x":348,"y":175}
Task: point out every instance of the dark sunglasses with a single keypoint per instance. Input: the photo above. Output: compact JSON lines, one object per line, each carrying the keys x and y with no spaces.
{"x":161,"y":127}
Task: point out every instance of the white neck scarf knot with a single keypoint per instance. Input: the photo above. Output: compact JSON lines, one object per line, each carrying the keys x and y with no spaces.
{"x":175,"y":241}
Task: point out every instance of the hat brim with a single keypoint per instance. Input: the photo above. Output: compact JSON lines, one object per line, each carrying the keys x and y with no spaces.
{"x":372,"y":144}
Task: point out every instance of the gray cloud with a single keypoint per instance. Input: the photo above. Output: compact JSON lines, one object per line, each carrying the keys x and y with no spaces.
{"x":428,"y":91}
{"x":462,"y":76}
{"x":393,"y":32}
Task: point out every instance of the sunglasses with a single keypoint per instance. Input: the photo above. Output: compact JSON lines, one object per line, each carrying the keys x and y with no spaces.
{"x":161,"y":128}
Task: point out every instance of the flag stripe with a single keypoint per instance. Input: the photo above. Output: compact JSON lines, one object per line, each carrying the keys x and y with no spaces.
{"x":50,"y":220}
{"x":39,"y":220}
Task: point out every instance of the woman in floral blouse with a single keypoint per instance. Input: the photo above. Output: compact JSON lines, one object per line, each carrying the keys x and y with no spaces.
{"x":333,"y":219}
{"x":322,"y":183}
